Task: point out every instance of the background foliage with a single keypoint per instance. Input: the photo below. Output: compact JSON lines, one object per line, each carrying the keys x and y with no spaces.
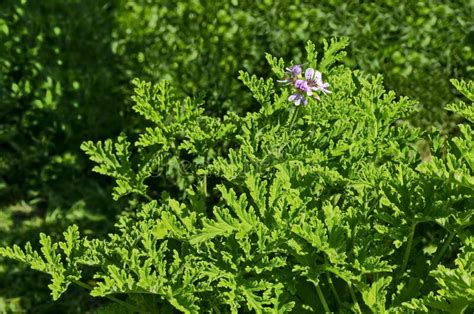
{"x":417,"y":45}
{"x":65,"y":77}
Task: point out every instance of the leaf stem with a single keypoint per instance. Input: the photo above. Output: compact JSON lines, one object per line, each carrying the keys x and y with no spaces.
{"x":406,"y":256}
{"x":441,"y":252}
{"x":323,"y":299}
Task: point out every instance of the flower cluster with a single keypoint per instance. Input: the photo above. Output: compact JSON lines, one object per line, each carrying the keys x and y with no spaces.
{"x":312,"y":82}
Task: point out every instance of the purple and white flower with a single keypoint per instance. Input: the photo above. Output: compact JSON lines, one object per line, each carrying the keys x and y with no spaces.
{"x":291,"y":73}
{"x":294,"y":70}
{"x":315,"y":81}
{"x":297,"y":99}
{"x":302,"y":86}
{"x":309,"y":84}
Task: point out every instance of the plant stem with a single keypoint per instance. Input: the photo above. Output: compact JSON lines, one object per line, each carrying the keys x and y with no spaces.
{"x":111,"y":298}
{"x":406,"y":256}
{"x":333,"y":289}
{"x":336,"y":295}
{"x":82,"y":284}
{"x":323,"y":299}
{"x":295,"y":116}
{"x":441,"y":252}
{"x":147,"y":197}
{"x":354,"y":299}
{"x":204,"y":185}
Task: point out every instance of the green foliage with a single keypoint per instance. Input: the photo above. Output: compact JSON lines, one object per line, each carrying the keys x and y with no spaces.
{"x":179,"y":134}
{"x":52,"y":261}
{"x":58,"y":87}
{"x":466,"y":89}
{"x":65,"y":70}
{"x":329,"y":207}
{"x":48,"y":107}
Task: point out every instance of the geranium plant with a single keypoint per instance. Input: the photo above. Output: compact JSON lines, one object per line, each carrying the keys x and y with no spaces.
{"x":337,"y":208}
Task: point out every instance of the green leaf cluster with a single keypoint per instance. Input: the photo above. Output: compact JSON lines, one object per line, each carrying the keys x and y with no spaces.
{"x":336,"y":206}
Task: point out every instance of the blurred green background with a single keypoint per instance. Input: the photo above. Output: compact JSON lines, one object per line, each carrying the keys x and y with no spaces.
{"x":66,"y":68}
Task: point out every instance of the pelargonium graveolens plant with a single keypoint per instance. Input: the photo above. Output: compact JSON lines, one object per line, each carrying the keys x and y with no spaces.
{"x":335,"y":209}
